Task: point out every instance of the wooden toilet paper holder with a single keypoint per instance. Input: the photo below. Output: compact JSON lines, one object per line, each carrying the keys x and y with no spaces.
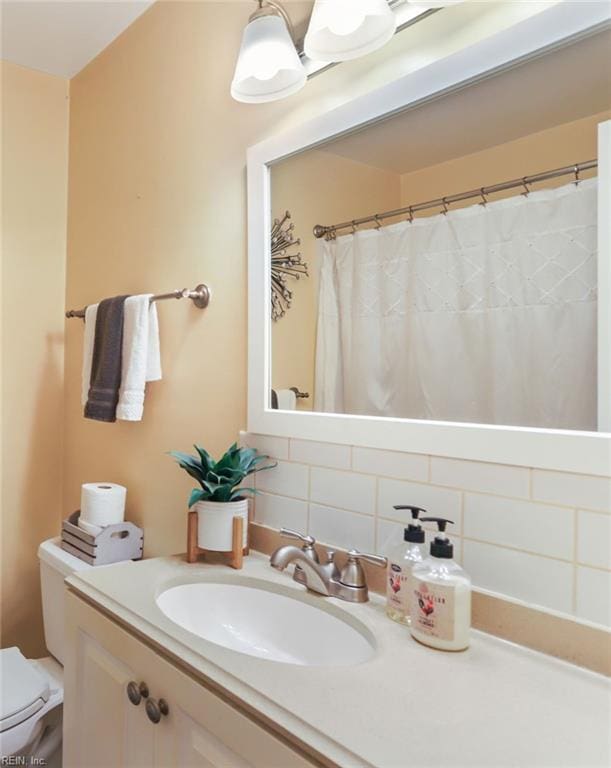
{"x":235,"y":554}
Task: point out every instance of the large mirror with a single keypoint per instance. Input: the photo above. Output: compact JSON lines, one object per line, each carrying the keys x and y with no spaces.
{"x":472,"y":295}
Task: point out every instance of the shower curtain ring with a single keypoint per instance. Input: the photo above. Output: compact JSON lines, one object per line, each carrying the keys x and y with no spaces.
{"x":576,"y":170}
{"x":525,"y":185}
{"x":444,"y":202}
{"x":410,"y":214}
{"x":483,"y":196}
{"x":377,"y":220}
{"x":354,"y":227}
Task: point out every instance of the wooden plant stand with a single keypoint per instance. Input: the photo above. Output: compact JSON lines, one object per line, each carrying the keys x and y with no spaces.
{"x":236,"y":553}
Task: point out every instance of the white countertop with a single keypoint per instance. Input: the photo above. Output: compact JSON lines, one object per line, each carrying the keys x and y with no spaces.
{"x":496,"y":704}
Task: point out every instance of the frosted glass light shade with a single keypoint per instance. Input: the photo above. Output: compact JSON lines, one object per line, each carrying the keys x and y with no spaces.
{"x":268,"y":66}
{"x":340,"y":30}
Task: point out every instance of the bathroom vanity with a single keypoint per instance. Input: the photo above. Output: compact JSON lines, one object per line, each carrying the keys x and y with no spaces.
{"x":182,"y":722}
{"x":380,"y":705}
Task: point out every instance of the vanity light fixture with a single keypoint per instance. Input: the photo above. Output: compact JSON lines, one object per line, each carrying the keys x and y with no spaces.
{"x":268,"y":66}
{"x":340,"y":30}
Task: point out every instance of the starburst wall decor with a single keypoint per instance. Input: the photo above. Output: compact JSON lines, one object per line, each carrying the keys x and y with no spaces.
{"x":284,"y":265}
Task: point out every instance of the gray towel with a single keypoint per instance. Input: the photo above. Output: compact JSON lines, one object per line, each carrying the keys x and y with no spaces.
{"x":106,"y":363}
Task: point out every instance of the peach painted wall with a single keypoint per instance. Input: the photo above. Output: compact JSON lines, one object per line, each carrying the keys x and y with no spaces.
{"x":34,"y":206}
{"x":553,"y":148}
{"x":158,"y":200}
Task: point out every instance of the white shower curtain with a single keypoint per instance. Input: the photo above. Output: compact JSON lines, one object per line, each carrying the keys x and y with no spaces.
{"x":486,"y":314}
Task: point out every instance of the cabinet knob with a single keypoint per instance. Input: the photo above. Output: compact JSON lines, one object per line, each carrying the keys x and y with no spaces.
{"x":155,"y":709}
{"x":136,"y":692}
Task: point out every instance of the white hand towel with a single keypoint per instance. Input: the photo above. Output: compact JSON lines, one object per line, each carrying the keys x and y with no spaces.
{"x":91,"y":314}
{"x":140,"y":358}
{"x":153,"y":358}
{"x":287,"y":399}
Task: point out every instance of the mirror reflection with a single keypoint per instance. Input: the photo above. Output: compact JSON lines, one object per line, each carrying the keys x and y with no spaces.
{"x":472,"y":295}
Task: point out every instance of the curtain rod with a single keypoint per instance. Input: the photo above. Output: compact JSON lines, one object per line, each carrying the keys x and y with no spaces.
{"x":330,"y":231}
{"x":200,"y":296}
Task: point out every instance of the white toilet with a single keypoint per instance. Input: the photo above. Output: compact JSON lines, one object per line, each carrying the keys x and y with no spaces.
{"x":32,"y":690}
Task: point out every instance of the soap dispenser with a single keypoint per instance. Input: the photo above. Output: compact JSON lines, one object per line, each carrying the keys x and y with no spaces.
{"x":400,"y":563}
{"x":440,"y":600}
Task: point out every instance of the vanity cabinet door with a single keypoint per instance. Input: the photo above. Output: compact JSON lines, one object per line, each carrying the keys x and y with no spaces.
{"x":103,"y":729}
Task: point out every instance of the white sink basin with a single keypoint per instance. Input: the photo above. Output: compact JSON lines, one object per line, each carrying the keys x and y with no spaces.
{"x":266,"y":624}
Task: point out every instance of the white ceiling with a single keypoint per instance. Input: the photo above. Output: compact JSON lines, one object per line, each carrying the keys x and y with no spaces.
{"x":557,"y":88}
{"x":60,"y":38}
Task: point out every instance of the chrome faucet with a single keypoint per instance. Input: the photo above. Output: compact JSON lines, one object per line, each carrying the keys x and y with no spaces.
{"x":326,"y":579}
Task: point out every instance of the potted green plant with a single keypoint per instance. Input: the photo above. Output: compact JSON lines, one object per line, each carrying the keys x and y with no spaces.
{"x":220,"y":496}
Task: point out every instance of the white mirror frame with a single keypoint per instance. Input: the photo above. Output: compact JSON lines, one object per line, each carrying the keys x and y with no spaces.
{"x":564,"y":450}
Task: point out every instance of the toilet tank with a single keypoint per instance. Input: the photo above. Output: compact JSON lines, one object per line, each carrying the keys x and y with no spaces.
{"x":55,"y":566}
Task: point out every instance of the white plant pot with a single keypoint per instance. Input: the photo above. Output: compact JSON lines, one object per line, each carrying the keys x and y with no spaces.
{"x":215,"y":524}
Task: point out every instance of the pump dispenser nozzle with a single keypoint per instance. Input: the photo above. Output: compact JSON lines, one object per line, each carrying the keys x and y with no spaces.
{"x":414,"y":510}
{"x":441,"y":521}
{"x":441,"y":545}
{"x":413,"y":532}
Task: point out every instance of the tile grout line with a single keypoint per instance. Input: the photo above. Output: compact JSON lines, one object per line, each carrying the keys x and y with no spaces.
{"x":462,"y":527}
{"x":575,"y":557}
{"x":454,"y":488}
{"x":599,"y":568}
{"x":375,"y":515}
{"x":308,"y":516}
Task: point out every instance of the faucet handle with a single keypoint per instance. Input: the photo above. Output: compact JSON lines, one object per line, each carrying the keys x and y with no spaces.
{"x":353,"y":574}
{"x":308,"y":542}
{"x":378,"y":560}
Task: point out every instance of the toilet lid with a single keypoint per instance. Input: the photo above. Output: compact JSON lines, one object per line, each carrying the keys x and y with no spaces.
{"x":24,"y":689}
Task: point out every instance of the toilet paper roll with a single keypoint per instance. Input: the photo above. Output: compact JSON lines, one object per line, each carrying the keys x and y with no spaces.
{"x":103,"y":503}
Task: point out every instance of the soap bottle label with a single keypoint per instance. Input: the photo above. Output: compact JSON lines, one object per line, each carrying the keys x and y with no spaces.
{"x":397,"y":588}
{"x":432,"y":609}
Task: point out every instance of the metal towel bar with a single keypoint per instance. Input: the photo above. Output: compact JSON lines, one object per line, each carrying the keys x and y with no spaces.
{"x":200,"y":296}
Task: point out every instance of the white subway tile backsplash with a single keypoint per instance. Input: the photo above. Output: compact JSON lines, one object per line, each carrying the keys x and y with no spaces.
{"x":536,"y":528}
{"x":275,"y":447}
{"x":287,"y":479}
{"x":594,"y":539}
{"x":347,"y":490}
{"x":281,"y":512}
{"x":341,"y":528}
{"x":594,"y":595}
{"x":536,"y":535}
{"x":388,"y":536}
{"x":584,"y":491}
{"x":320,"y":454}
{"x":439,"y":502}
{"x":403,"y":466}
{"x":499,"y":479}
{"x":534,"y":579}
